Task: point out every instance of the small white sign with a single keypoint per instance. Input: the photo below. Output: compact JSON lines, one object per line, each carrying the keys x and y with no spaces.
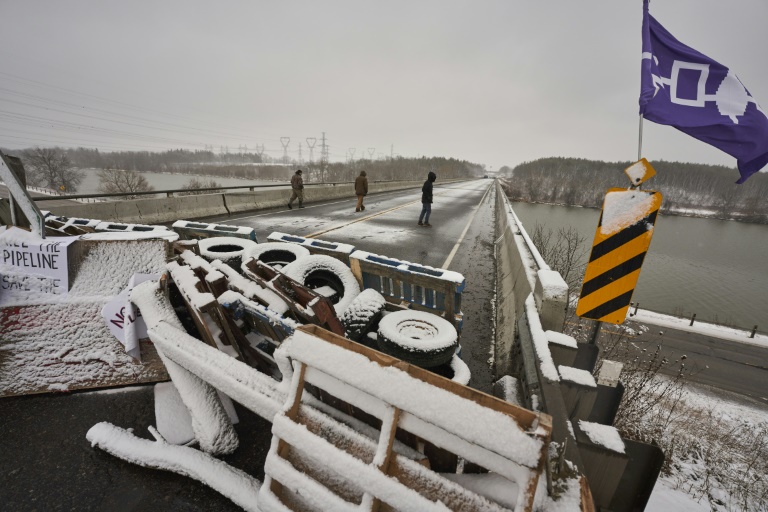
{"x":124,"y":319}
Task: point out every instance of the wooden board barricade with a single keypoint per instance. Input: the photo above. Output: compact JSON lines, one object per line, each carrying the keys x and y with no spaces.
{"x":305,"y":460}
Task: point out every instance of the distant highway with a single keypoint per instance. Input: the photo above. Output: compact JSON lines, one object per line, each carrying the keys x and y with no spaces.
{"x":728,"y":365}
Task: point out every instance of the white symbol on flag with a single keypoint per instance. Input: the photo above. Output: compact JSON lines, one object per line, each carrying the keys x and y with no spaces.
{"x":731,"y":96}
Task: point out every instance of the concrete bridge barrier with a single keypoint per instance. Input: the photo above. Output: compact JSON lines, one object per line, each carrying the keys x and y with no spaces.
{"x":170,"y":209}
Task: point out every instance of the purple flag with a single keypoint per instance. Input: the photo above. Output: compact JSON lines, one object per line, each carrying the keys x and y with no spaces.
{"x":683,"y":88}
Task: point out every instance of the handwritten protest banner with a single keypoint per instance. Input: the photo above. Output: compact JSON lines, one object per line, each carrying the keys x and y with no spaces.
{"x":33,"y":266}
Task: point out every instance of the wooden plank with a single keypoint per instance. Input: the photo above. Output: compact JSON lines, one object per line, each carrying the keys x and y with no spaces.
{"x":386,"y":440}
{"x":283,"y":448}
{"x":523,"y":417}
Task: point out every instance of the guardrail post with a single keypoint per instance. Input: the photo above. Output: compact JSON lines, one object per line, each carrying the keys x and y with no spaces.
{"x":754,"y":330}
{"x":693,"y":318}
{"x":169,"y":194}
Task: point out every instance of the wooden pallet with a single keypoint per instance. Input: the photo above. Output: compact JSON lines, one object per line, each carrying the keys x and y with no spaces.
{"x":307,"y":470}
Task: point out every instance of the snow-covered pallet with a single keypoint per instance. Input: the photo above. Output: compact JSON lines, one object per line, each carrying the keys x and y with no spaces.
{"x":336,"y":250}
{"x":307,"y":470}
{"x":306,"y":305}
{"x":196,"y":230}
{"x":424,"y":288}
{"x":205,"y":310}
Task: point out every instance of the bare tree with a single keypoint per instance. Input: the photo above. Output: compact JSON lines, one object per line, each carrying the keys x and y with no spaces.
{"x":194,"y":183}
{"x":115,"y":181}
{"x":564,"y":251}
{"x":50,"y":167}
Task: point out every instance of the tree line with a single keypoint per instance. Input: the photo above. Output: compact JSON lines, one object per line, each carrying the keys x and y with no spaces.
{"x":687,"y":189}
{"x":120,"y":172}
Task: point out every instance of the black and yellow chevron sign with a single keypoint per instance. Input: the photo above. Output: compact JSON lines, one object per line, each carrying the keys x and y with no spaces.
{"x":622,"y":238}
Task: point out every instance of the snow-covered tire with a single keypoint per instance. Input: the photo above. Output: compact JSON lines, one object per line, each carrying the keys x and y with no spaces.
{"x":228,"y":249}
{"x":417,"y":337}
{"x":456,"y":370}
{"x":276,"y":254}
{"x":318,"y":270}
{"x":363,"y":313}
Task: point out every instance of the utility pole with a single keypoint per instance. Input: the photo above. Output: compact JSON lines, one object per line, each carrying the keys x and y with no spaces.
{"x":323,"y":158}
{"x":311,"y":144}
{"x":285,"y":141}
{"x":392,"y":152}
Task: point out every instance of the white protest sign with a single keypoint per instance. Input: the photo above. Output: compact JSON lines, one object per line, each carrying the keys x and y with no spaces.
{"x":32,"y":267}
{"x":124,"y":319}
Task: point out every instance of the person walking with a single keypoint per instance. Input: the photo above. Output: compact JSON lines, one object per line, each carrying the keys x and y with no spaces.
{"x":361,"y":189}
{"x":297,"y":190}
{"x":426,"y":200}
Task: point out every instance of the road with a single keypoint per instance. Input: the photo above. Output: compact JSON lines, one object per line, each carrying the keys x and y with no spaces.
{"x":739,"y":368}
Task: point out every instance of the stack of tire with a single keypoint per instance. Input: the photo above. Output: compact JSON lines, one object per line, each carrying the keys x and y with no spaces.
{"x":417,"y":337}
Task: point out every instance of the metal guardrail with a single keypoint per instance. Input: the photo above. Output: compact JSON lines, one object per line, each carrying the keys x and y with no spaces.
{"x":189,"y":191}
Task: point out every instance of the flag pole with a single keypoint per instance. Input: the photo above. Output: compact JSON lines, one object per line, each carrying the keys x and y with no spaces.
{"x":640,"y":139}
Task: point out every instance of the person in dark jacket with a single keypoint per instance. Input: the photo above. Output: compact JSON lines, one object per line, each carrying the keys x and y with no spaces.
{"x":297,"y":190}
{"x":361,"y":190}
{"x":426,"y":200}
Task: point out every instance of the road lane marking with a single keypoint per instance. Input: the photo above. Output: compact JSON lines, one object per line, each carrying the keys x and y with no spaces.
{"x":463,"y":233}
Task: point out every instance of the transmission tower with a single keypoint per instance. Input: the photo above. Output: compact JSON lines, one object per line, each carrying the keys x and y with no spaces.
{"x":371,"y":151}
{"x":285,"y":141}
{"x":352,"y":154}
{"x":300,"y":161}
{"x":323,"y":158}
{"x":311,"y":144}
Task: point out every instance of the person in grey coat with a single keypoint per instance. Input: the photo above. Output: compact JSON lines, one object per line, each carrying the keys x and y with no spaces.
{"x":361,"y":190}
{"x":297,"y":190}
{"x":426,"y":200}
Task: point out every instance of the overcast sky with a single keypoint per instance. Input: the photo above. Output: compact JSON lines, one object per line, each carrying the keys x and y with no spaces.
{"x":492,"y":82}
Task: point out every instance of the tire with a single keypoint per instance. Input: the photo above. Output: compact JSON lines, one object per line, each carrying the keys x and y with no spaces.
{"x":456,"y":370}
{"x":417,"y":337}
{"x":276,"y":254}
{"x":318,"y":271}
{"x":363,"y":314}
{"x":228,"y":249}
